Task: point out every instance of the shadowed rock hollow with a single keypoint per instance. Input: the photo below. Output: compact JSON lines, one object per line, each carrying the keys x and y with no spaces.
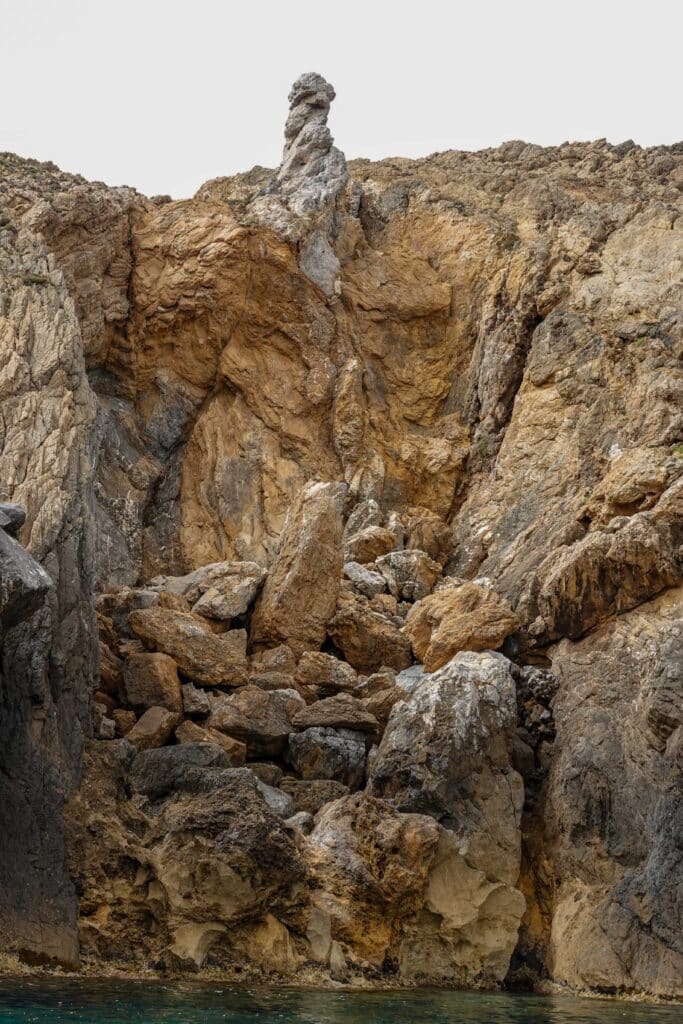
{"x":342,"y":634}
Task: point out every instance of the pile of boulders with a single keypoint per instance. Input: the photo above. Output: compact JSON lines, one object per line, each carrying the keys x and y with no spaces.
{"x":230,"y":654}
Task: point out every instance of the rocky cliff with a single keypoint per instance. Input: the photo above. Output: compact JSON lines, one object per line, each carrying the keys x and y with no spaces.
{"x":347,"y":621}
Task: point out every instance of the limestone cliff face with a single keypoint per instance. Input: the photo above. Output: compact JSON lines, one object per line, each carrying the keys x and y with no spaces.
{"x":315,"y":442}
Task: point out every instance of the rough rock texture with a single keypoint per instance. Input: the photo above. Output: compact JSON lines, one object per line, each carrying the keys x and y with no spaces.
{"x":462,"y":368}
{"x":299,"y":596}
{"x":612,"y":818}
{"x":460,"y":618}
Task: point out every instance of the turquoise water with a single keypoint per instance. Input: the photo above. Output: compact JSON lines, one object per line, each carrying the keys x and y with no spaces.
{"x":84,"y":1002}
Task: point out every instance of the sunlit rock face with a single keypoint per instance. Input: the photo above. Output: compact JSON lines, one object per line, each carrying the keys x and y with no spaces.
{"x":344,"y":614}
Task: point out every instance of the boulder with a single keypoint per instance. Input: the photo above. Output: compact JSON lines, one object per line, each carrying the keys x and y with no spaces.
{"x":203,"y":656}
{"x":262,"y":719}
{"x":309,"y":795}
{"x":367,"y":638}
{"x":227,"y":590}
{"x":12,"y":518}
{"x":151,"y":680}
{"x":278,"y":801}
{"x":409,"y":575}
{"x":111,"y":670}
{"x":446,"y":752}
{"x":364,"y":579}
{"x":325,"y":672}
{"x":364,"y":513}
{"x":190,"y":732}
{"x":196,"y":702}
{"x":117,"y":604}
{"x":342,"y":711}
{"x":299,"y":596}
{"x":155,"y":773}
{"x":368,"y":544}
{"x":153,"y":729}
{"x":123,"y":720}
{"x":267,"y":772}
{"x":320,"y":753}
{"x":228,"y":852}
{"x":397,"y":887}
{"x":463,"y":617}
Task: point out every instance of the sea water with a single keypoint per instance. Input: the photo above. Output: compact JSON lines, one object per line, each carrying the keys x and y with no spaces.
{"x":25,"y":1001}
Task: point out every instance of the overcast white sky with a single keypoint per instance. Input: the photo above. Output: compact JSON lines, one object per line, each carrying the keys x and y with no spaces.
{"x":164,"y":94}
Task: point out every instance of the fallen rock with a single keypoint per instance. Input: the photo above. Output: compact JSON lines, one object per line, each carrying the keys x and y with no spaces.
{"x":111,"y":670}
{"x":320,"y":753}
{"x":12,"y":518}
{"x":201,"y":655}
{"x":368,"y":544}
{"x":262,"y":719}
{"x":446,"y":752}
{"x":267,"y":772}
{"x":325,"y":672}
{"x":155,"y":773}
{"x":396,"y":886}
{"x":299,"y":596}
{"x":367,"y":638}
{"x":153,"y":729}
{"x":465,"y":617}
{"x":152,"y":680}
{"x":228,"y":850}
{"x":364,"y":580}
{"x":118,"y":603}
{"x":410,"y":575}
{"x":278,"y":801}
{"x":342,"y":711}
{"x":196,"y":702}
{"x":227,"y":590}
{"x":123,"y":720}
{"x":310,"y":795}
{"x":190,"y":732}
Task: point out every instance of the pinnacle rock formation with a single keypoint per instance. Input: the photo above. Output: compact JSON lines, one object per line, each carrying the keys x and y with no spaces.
{"x":341,"y":564}
{"x":300,"y":203}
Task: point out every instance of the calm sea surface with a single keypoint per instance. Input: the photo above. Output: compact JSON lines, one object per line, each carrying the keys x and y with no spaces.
{"x":85,"y":1002}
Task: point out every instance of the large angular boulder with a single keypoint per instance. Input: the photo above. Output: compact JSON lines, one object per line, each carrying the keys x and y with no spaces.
{"x":203,"y":656}
{"x":226,"y":590}
{"x":341,"y":711}
{"x":300,"y":594}
{"x":156,"y":773}
{"x":225,"y":858}
{"x":367,"y":638}
{"x":190,"y":732}
{"x":464,"y":617}
{"x":368,"y":544}
{"x":260,"y":718}
{"x":398,"y":887}
{"x":446,"y":751}
{"x":410,"y":575}
{"x":151,"y":680}
{"x":325,"y":672}
{"x":153,"y":729}
{"x":325,"y":753}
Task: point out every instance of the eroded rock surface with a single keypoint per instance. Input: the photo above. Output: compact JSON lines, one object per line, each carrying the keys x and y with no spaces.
{"x":313,"y":445}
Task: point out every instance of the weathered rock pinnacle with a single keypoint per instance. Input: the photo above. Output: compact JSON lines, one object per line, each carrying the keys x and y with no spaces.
{"x":313,"y":171}
{"x":301,"y":201}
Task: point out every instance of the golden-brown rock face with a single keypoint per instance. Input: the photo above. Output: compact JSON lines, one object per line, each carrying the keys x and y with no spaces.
{"x":313,"y":438}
